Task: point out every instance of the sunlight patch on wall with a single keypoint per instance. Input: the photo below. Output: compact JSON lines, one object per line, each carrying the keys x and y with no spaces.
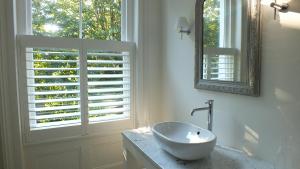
{"x":250,"y":135}
{"x":282,"y":95}
{"x":266,"y":2}
{"x":143,"y":130}
{"x":247,"y":151}
{"x":290,"y":20}
{"x":251,"y":138}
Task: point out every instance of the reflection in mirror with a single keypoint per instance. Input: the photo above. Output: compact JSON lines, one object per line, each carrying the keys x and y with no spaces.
{"x":227,"y":46}
{"x":222,"y":40}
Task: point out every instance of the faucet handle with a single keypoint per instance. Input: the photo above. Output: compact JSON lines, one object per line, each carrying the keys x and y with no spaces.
{"x":209,"y":102}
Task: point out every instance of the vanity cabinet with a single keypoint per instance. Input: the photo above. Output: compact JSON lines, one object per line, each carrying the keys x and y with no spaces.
{"x":142,"y":151}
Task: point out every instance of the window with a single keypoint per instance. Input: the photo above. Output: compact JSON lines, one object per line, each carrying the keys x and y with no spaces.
{"x":222,"y":40}
{"x":75,"y":74}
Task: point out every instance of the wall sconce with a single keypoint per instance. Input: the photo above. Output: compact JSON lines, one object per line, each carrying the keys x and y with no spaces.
{"x":183,"y":26}
{"x":280,"y":7}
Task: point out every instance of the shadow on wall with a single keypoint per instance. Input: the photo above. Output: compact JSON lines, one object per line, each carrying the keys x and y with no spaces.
{"x":286,"y":91}
{"x":288,"y":106}
{"x":294,"y":6}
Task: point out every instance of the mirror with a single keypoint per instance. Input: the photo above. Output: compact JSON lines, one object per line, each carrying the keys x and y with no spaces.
{"x":227,"y":46}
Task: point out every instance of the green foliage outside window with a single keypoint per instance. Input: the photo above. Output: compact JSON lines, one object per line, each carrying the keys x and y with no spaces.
{"x":101,"y":19}
{"x":211,"y":23}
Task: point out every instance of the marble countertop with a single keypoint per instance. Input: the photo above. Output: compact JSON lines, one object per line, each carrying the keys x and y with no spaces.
{"x":221,"y":158}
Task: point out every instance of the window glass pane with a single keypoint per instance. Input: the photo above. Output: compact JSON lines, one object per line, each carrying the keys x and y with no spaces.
{"x":56,"y":18}
{"x":53,"y":87}
{"x":211,"y":23}
{"x":102,"y":19}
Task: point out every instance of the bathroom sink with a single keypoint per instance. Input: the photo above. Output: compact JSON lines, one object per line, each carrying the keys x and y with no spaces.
{"x":184,"y":141}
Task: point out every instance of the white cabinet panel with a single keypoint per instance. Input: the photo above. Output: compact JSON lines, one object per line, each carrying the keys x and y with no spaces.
{"x":59,"y":160}
{"x":93,"y":152}
{"x":107,"y":155}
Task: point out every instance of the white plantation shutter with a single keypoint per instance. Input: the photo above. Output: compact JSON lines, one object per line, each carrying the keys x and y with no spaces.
{"x":108,"y":85}
{"x":220,"y":64}
{"x":53,"y":87}
{"x":75,"y":82}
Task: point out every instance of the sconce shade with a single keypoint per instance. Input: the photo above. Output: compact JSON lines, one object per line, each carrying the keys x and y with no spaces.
{"x":182,"y":25}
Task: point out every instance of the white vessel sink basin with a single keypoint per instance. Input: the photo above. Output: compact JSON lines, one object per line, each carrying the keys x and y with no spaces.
{"x":184,"y":141}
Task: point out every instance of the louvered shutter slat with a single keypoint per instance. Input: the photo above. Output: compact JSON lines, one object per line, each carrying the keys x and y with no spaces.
{"x":53,"y":87}
{"x":108,"y":86}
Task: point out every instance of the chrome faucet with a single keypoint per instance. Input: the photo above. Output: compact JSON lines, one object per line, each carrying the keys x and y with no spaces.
{"x":210,"y":113}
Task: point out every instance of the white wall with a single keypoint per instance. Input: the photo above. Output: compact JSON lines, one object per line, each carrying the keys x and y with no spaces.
{"x":152,"y":60}
{"x":8,"y":108}
{"x":267,"y":126}
{"x":149,"y":57}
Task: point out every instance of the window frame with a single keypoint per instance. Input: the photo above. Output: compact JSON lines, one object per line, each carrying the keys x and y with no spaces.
{"x":84,"y":129}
